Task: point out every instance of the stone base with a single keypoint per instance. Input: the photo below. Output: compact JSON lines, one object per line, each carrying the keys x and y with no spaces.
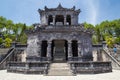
{"x":90,"y":67}
{"x":28,"y":67}
{"x":27,"y":71}
{"x":77,"y":67}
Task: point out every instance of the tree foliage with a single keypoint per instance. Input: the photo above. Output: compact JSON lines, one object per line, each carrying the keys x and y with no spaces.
{"x":109,"y":41}
{"x":8,"y":42}
{"x":13,"y":31}
{"x":1,"y":41}
{"x":108,"y":31}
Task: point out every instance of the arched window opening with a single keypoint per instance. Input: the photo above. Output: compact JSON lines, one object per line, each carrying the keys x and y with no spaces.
{"x":68,"y":20}
{"x":66,"y":49}
{"x":59,"y":20}
{"x":44,"y":49}
{"x":74,"y":48}
{"x":50,"y":20}
{"x":52,"y":49}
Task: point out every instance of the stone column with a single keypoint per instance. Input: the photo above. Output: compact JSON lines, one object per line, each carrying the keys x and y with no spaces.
{"x":47,"y":20}
{"x":53,"y":20}
{"x":49,"y":50}
{"x":69,"y":49}
{"x":39,"y":47}
{"x":79,"y":49}
{"x":72,"y":20}
{"x":64,"y":20}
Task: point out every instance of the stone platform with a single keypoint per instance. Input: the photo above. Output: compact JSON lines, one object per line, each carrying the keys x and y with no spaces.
{"x":115,"y":75}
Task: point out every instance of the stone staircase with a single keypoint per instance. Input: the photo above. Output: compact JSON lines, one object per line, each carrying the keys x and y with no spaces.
{"x":60,"y":69}
{"x":109,"y":57}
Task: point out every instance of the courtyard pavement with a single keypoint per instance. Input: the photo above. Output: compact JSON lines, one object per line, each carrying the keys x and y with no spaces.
{"x":115,"y":75}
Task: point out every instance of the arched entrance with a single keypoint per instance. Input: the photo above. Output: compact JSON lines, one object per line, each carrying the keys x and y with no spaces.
{"x":59,"y":50}
{"x":59,"y":20}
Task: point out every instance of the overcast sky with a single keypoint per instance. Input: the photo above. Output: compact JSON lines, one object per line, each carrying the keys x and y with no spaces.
{"x":93,"y":11}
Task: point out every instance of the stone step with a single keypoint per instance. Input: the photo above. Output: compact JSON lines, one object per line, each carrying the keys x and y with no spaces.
{"x":59,"y":69}
{"x":59,"y":55}
{"x":59,"y":65}
{"x":53,"y":73}
{"x":60,"y":73}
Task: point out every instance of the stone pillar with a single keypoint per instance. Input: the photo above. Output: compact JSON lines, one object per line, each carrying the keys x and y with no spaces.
{"x":64,"y":20}
{"x":69,"y":49}
{"x":72,"y":20}
{"x":79,"y":49}
{"x":53,"y":20}
{"x":39,"y":47}
{"x":47,"y":20}
{"x":49,"y":50}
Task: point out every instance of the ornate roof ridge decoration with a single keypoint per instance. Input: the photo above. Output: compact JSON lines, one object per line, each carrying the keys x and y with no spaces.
{"x":59,"y":8}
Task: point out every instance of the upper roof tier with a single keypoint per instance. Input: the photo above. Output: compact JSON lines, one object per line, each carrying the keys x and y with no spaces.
{"x":59,"y":16}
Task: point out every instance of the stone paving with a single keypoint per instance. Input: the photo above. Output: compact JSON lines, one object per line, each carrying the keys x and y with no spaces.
{"x":115,"y":75}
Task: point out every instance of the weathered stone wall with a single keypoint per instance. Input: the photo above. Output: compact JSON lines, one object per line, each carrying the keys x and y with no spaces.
{"x":35,"y":40}
{"x":32,"y":48}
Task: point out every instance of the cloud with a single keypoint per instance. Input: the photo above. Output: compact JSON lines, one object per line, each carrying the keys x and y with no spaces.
{"x":26,"y":11}
{"x":92,"y":7}
{"x":93,"y":12}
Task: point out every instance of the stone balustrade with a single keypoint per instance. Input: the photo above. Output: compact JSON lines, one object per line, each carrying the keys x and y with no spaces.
{"x":60,"y":28}
{"x":28,"y":67}
{"x":37,"y":59}
{"x":90,"y":67}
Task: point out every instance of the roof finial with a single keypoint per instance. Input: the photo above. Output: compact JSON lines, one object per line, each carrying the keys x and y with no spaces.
{"x":59,"y":6}
{"x":45,"y":8}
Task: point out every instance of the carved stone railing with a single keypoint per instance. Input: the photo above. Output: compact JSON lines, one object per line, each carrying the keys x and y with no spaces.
{"x":82,"y":58}
{"x":60,"y":28}
{"x":68,"y":28}
{"x":20,"y":45}
{"x":90,"y":67}
{"x":6,"y":57}
{"x":37,"y":59}
{"x":75,"y":59}
{"x":115,"y":63}
{"x":28,"y":67}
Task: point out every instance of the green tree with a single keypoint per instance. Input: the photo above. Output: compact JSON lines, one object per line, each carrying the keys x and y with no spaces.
{"x":109,"y":41}
{"x":2,"y":23}
{"x":87,"y":25}
{"x":8,"y":42}
{"x":1,"y":41}
{"x":98,"y":34}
